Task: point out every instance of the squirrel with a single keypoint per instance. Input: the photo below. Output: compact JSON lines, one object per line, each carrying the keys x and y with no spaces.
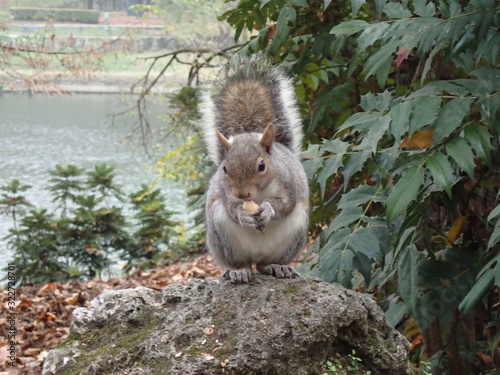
{"x":253,"y":132}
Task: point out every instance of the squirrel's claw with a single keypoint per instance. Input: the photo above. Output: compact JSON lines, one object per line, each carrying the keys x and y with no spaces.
{"x":242,"y":276}
{"x":280,"y":271}
{"x":264,"y":215}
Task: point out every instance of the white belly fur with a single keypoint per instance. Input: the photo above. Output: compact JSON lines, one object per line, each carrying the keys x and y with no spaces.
{"x":252,"y":246}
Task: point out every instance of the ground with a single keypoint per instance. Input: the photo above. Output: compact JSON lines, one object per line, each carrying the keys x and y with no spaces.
{"x":43,"y":312}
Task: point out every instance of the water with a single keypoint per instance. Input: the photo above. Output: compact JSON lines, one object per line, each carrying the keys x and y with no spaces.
{"x":38,"y":132}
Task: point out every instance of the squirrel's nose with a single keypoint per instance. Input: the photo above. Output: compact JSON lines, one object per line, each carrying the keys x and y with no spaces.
{"x":242,"y":194}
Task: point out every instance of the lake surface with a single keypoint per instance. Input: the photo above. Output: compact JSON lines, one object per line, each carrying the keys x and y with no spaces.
{"x":37,"y":132}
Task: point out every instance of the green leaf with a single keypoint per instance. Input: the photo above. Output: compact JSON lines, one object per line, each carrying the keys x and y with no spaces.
{"x":360,"y":121}
{"x":396,"y":10}
{"x":441,"y":171}
{"x":375,"y":133}
{"x":494,"y":213}
{"x":450,"y":117}
{"x":495,"y":236}
{"x":335,"y":263}
{"x":378,"y":61}
{"x":395,"y":313}
{"x":404,"y":192}
{"x":479,"y":138}
{"x":423,"y":9}
{"x":335,"y":146}
{"x":364,"y":265}
{"x":371,"y":34}
{"x":348,"y":28}
{"x":424,"y":112}
{"x":366,"y":241}
{"x":331,"y":166}
{"x":326,"y":3}
{"x":356,"y":5}
{"x":461,"y":152}
{"x":346,"y":217}
{"x":357,"y":196}
{"x":400,"y":115}
{"x":408,"y":265}
{"x":478,"y":292}
{"x":354,"y":164}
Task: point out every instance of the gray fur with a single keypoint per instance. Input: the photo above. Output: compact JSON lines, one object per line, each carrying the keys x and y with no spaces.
{"x":251,"y":96}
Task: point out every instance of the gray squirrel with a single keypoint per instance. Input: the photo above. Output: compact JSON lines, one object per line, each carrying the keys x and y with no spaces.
{"x":257,"y":209}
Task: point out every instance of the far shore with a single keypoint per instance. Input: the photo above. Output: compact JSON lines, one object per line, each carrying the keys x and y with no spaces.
{"x":97,"y":83}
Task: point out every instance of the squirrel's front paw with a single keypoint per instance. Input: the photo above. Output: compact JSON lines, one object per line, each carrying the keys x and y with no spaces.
{"x":264,"y":214}
{"x":248,"y":219}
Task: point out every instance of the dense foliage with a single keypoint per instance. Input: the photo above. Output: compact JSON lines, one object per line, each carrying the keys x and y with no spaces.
{"x":401,"y":102}
{"x":401,"y":112}
{"x":86,"y":233}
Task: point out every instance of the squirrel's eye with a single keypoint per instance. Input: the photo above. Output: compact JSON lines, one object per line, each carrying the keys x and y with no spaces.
{"x":262,"y":166}
{"x":224,"y":169}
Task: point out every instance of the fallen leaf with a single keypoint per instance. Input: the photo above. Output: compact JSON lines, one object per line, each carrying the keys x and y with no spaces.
{"x":420,"y":140}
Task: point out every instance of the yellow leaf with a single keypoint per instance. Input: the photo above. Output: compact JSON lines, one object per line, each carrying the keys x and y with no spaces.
{"x":457,"y":228}
{"x":420,"y":140}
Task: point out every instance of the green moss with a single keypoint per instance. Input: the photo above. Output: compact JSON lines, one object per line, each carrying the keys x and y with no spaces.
{"x":291,"y":289}
{"x":112,"y":340}
{"x":72,"y":338}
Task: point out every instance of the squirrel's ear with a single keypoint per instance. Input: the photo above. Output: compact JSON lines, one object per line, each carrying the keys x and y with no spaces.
{"x":267,"y":138}
{"x":225,"y":142}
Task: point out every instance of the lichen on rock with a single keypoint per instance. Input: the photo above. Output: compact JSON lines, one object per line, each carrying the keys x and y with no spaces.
{"x":268,"y":326}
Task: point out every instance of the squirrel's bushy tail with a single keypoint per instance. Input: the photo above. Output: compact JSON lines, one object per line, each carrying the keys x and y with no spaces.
{"x":249,"y":95}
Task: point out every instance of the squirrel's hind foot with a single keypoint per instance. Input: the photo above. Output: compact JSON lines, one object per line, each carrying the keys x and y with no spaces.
{"x":242,"y":276}
{"x":280,"y":271}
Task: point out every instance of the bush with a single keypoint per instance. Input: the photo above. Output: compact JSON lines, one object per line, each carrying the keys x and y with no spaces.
{"x":78,"y":239}
{"x":61,"y":15}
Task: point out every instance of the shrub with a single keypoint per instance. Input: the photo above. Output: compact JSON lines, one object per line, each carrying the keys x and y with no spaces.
{"x":61,"y":15}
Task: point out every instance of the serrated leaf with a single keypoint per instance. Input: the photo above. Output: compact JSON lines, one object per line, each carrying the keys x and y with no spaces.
{"x":400,"y":115}
{"x":375,"y":133}
{"x":404,"y":192}
{"x":348,"y":28}
{"x":330,"y":167}
{"x":364,"y":265}
{"x":441,"y":171}
{"x":354,"y":164}
{"x":450,"y":117}
{"x":396,"y":10}
{"x":356,"y":5}
{"x":371,"y":34}
{"x":311,"y":166}
{"x":346,"y":217}
{"x":366,"y":241}
{"x":335,"y":262}
{"x":335,"y":146}
{"x":360,"y":121}
{"x":357,"y":196}
{"x":425,"y":109}
{"x":478,"y":291}
{"x":461,"y":152}
{"x":424,"y":10}
{"x":379,"y":59}
{"x":479,"y":138}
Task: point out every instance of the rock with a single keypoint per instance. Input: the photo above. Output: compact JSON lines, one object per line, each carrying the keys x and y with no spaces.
{"x":268,"y":326}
